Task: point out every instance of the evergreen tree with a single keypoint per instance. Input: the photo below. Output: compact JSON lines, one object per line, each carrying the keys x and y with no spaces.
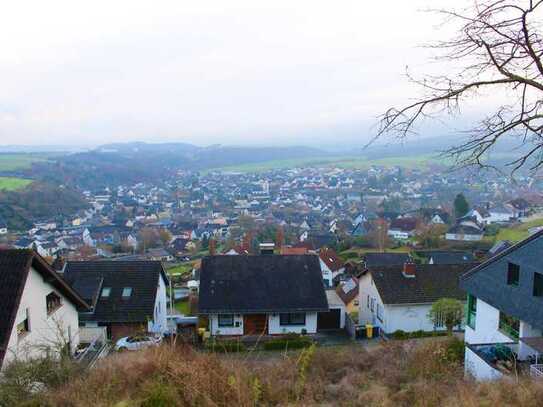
{"x":461,"y":206}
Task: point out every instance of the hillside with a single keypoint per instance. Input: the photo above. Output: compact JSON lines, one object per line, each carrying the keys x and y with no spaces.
{"x":427,"y":373}
{"x":139,"y":162}
{"x":20,"y":208}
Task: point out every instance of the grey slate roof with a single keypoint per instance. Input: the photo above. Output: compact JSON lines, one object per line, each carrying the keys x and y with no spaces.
{"x":488,"y":281}
{"x":451,"y":257}
{"x":91,"y":277}
{"x":385,"y":259}
{"x":14,"y":268}
{"x":258,"y":284}
{"x":431,"y":283}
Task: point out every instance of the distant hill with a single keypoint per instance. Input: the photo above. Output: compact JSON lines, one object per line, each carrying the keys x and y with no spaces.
{"x":135,"y":162}
{"x":39,"y":200}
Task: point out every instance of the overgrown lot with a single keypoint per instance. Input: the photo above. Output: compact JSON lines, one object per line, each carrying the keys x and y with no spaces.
{"x":422,"y":373}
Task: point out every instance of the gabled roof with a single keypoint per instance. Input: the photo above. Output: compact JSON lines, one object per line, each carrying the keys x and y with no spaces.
{"x":259,"y":284}
{"x":431,"y":282}
{"x":91,"y":277}
{"x":502,"y":254}
{"x":14,"y":268}
{"x":385,"y":259}
{"x":451,"y":257}
{"x":330,"y":258}
{"x":348,"y":290}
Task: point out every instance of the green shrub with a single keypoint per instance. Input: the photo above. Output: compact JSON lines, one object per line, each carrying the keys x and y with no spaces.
{"x":284,"y":343}
{"x":402,"y":335}
{"x":399,"y":334}
{"x":160,"y":395}
{"x":455,"y":350}
{"x":225,"y":346}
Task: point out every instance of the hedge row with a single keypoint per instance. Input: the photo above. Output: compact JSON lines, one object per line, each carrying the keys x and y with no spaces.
{"x":288,"y":343}
{"x":399,"y":334}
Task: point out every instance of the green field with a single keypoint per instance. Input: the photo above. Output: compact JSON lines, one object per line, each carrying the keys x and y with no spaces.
{"x":12,"y":183}
{"x":181,"y":269}
{"x":347,"y":162}
{"x":12,"y":162}
{"x":518,"y":233}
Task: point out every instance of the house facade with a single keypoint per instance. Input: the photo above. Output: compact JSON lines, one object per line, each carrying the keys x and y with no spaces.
{"x":261,"y":295}
{"x":38,"y":309}
{"x":400,"y":297}
{"x":505,"y":311}
{"x":127,"y":297}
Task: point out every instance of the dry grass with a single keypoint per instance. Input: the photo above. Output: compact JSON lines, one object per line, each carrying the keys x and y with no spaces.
{"x":396,"y":374}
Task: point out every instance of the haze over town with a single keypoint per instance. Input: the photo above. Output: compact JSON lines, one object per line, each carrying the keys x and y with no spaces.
{"x":266,"y":73}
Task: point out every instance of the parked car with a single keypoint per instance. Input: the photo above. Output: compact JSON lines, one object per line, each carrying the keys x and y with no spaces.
{"x":137,"y":342}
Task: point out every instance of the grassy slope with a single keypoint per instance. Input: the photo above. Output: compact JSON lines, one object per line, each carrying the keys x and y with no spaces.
{"x":11,"y":162}
{"x":348,"y":162}
{"x":12,"y":183}
{"x":519,"y":232}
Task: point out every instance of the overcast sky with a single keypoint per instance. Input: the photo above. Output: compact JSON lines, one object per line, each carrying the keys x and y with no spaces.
{"x":230,"y":72}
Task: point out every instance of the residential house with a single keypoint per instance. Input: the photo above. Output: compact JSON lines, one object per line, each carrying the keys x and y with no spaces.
{"x":331,"y":265}
{"x":402,"y":228}
{"x":348,"y":292}
{"x":465,"y":232}
{"x":505,"y":311}
{"x":399,"y":297}
{"x":38,"y":309}
{"x":127,"y":297}
{"x":261,"y":294}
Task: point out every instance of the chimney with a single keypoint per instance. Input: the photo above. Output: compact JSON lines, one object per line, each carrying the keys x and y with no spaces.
{"x":409,"y":269}
{"x":266,"y":248}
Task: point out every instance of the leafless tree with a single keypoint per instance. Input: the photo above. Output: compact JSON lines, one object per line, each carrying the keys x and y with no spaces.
{"x":498,"y":48}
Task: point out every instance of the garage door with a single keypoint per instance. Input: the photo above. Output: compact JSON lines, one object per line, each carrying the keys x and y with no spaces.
{"x":329,"y":320}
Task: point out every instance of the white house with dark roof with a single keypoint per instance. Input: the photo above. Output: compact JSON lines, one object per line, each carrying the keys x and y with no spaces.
{"x":126,"y":297}
{"x":399,"y":297}
{"x":504,"y":322}
{"x":262,"y":295}
{"x":38,"y":309}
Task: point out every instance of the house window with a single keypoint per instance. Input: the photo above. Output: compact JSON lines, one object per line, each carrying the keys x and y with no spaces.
{"x":53,"y":302}
{"x":372,"y":305}
{"x":106,"y":291}
{"x":23,"y":327}
{"x":368,"y":303}
{"x":538,"y":285}
{"x":379,"y":312}
{"x":127,"y":292}
{"x":509,"y":325}
{"x":513,"y":274}
{"x":440,"y":321}
{"x":226,"y":320}
{"x":293,"y":318}
{"x":471,"y":311}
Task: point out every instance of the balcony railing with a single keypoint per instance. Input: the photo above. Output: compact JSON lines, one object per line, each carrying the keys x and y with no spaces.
{"x":536,"y":371}
{"x":509,"y":330}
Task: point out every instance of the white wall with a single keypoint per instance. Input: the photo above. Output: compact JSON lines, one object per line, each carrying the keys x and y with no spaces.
{"x":274,"y":328}
{"x":478,"y":368}
{"x":45,"y":330}
{"x":216,"y":330}
{"x":160,"y":324}
{"x":326,"y":273}
{"x":365,"y":314}
{"x":486,"y":326}
{"x":408,"y":318}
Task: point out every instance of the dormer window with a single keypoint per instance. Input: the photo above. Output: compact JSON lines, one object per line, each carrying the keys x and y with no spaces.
{"x":106,"y":291}
{"x":53,"y":302}
{"x":127,"y":292}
